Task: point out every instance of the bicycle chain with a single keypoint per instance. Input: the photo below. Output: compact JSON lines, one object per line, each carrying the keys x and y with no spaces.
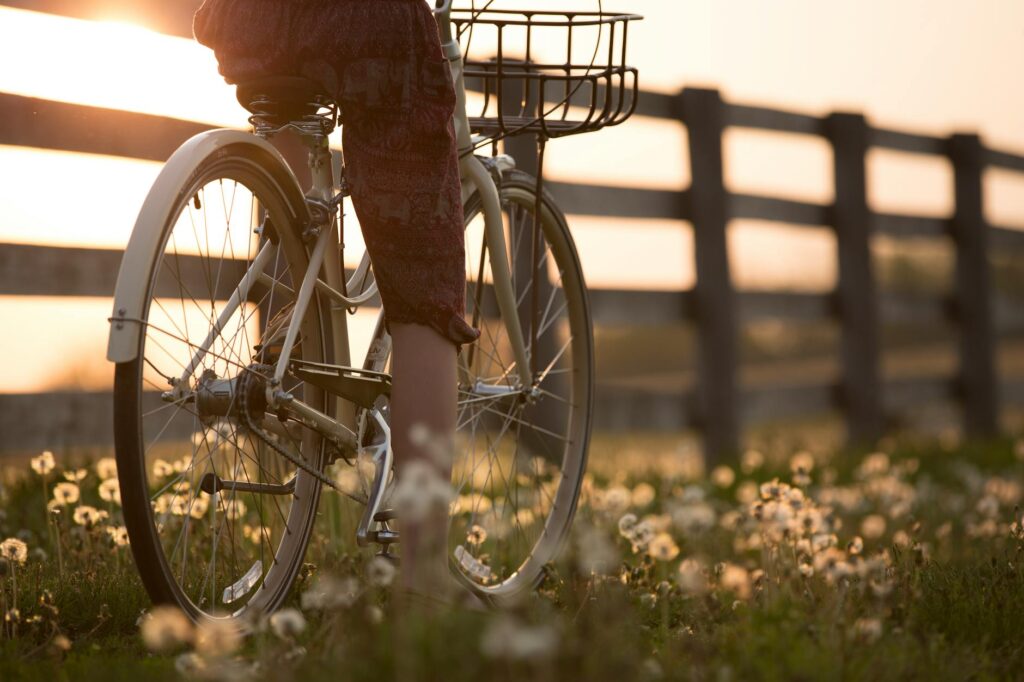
{"x":265,"y":437}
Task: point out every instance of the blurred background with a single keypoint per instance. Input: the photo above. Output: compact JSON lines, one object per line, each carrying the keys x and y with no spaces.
{"x":76,"y":168}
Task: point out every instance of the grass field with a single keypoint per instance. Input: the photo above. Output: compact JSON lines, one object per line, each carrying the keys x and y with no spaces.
{"x":899,"y":564}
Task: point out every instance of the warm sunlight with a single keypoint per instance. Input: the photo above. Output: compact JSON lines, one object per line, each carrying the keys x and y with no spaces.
{"x":114,"y":65}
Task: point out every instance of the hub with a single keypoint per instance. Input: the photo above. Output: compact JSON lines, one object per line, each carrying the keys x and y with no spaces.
{"x":217,"y":397}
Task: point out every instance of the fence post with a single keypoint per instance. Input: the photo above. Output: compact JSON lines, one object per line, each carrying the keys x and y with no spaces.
{"x":977,"y":379}
{"x":703,"y":113}
{"x":856,"y":294}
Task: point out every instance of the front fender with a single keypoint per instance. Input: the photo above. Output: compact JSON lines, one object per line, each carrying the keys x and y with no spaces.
{"x":148,"y":235}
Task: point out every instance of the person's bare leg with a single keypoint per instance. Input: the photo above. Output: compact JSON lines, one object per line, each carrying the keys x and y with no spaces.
{"x":423,"y":391}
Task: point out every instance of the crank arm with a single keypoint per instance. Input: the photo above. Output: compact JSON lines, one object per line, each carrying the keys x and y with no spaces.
{"x":212,"y":483}
{"x":382,"y":461}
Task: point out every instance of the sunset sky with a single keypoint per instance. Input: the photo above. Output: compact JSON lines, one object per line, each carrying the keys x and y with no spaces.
{"x":935,"y":66}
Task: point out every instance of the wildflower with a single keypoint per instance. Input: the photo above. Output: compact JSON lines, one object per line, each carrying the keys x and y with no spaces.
{"x":752,"y":461}
{"x":735,"y":579}
{"x":691,"y":577}
{"x":14,"y":550}
{"x":62,"y":643}
{"x":199,"y":507}
{"x":873,"y":527}
{"x":190,"y":665}
{"x":165,"y":628}
{"x":110,"y":491}
{"x":649,"y":600}
{"x":44,"y":463}
{"x":627,"y":522}
{"x":747,"y":492}
{"x":380,"y":572}
{"x":329,"y":592}
{"x":233,"y":509}
{"x":507,"y":637}
{"x":162,"y":468}
{"x":663,"y":547}
{"x":420,"y":490}
{"x":477,"y":535}
{"x":901,"y":538}
{"x":615,"y":500}
{"x":106,"y":468}
{"x":855,"y":547}
{"x":868,"y":629}
{"x":723,"y":476}
{"x":66,"y":493}
{"x":75,"y":475}
{"x":85,"y":515}
{"x":118,"y":535}
{"x":374,"y":614}
{"x":287,"y":623}
{"x":875,"y":464}
{"x":217,"y":637}
{"x":643,"y":494}
{"x":801,"y":461}
{"x":694,"y":518}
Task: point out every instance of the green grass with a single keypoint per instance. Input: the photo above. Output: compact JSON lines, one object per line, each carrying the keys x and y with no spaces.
{"x":947,"y":603}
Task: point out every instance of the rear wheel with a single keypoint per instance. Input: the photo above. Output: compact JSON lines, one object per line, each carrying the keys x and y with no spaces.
{"x":519,"y":458}
{"x":218,"y":520}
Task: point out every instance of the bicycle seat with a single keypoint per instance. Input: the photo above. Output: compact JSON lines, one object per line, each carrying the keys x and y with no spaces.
{"x":280,"y":100}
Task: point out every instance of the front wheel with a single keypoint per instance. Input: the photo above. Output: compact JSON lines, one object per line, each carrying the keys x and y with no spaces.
{"x":521,"y":451}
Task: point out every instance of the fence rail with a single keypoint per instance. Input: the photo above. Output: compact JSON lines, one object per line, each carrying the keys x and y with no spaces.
{"x":714,"y":402}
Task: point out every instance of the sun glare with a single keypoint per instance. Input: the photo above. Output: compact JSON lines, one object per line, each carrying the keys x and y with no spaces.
{"x":112,"y":64}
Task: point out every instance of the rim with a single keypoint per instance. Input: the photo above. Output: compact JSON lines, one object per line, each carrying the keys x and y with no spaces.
{"x":518,"y":466}
{"x":222,"y":552}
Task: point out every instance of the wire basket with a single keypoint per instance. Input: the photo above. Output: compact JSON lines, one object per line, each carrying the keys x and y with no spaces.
{"x":547,"y":73}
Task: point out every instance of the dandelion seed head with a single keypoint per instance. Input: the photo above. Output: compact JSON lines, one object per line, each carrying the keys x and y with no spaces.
{"x":380,"y":572}
{"x":75,"y":475}
{"x":873,"y":526}
{"x":85,"y":515}
{"x":723,"y":476}
{"x":106,"y":468}
{"x":288,"y":623}
{"x":643,"y":495}
{"x":751,"y":461}
{"x":476,"y":535}
{"x":14,"y":550}
{"x":663,"y":548}
{"x":44,"y":463}
{"x":66,"y":493}
{"x":110,"y":491}
{"x":165,"y":628}
{"x":217,"y":637}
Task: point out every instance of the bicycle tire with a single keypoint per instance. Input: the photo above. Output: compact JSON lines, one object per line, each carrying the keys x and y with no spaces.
{"x":275,"y":195}
{"x":519,"y":189}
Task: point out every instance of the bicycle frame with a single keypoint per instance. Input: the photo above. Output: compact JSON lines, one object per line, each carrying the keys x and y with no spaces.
{"x":325,"y":273}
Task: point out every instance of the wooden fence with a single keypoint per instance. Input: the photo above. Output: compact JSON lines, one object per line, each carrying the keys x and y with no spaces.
{"x":718,"y":407}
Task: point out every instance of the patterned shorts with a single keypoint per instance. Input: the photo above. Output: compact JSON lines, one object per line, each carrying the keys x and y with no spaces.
{"x":382,"y":61}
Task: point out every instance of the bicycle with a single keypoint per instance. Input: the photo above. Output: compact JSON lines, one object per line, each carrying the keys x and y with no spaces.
{"x":234,"y":386}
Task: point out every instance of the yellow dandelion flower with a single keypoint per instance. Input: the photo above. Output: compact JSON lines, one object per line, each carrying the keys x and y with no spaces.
{"x":66,"y":493}
{"x":44,"y":463}
{"x":106,"y":468}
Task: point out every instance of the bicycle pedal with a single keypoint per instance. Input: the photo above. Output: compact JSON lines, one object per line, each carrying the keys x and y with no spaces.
{"x":384,"y":536}
{"x":385,"y":515}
